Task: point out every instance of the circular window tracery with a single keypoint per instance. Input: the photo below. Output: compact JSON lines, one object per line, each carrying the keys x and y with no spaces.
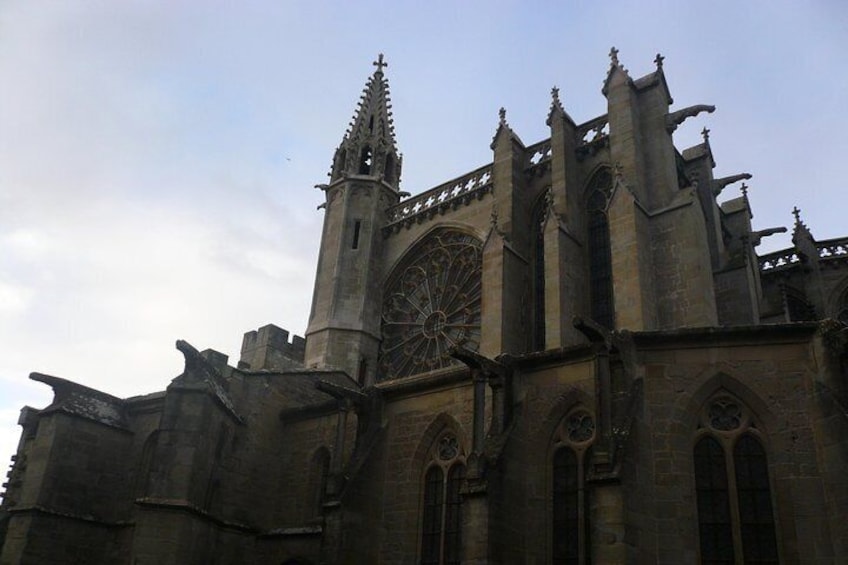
{"x":726,"y":415}
{"x":448,"y":447}
{"x":576,"y":429}
{"x":432,"y":304}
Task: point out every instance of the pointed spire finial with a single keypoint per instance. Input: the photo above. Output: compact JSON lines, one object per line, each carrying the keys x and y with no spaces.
{"x":705,"y":133}
{"x":659,"y":61}
{"x":502,"y":115}
{"x":379,"y":63}
{"x":613,"y":54}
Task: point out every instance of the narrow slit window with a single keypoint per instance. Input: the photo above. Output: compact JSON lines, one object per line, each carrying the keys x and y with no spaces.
{"x":357,"y":226}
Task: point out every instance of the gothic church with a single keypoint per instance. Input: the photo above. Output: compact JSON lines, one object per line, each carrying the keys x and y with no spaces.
{"x":570,"y":355}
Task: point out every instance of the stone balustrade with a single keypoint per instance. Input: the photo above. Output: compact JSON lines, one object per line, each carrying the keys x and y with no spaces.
{"x":438,"y":200}
{"x":828,"y":250}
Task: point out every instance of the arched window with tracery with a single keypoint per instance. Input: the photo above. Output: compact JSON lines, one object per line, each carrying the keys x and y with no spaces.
{"x":538,"y":279}
{"x":602,"y":309}
{"x":441,"y":516}
{"x":735,"y":514}
{"x":432,"y":303}
{"x":569,"y":498}
{"x":842,"y":307}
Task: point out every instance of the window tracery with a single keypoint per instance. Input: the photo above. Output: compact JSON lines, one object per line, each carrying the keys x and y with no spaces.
{"x":441,"y":522}
{"x":570,"y":501}
{"x":432,"y":303}
{"x":735,"y":514}
{"x":842,"y":308}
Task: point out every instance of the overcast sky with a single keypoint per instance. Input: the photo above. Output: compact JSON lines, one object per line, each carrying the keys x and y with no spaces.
{"x":157,"y":158}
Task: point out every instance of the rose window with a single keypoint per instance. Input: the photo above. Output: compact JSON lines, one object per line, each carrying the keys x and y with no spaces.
{"x":432,"y":303}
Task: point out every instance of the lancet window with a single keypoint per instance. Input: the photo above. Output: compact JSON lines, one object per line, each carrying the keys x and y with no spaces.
{"x":538,"y":282}
{"x":569,"y":497}
{"x":735,"y":514}
{"x":598,"y":240}
{"x":432,"y":303}
{"x":441,"y":520}
{"x":842,"y":308}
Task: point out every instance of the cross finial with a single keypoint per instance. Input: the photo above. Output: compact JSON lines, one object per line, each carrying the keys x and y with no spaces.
{"x":379,"y":63}
{"x":744,"y":189}
{"x":614,"y":56}
{"x":797,"y":213}
{"x":502,"y":115}
{"x":705,"y":133}
{"x":555,"y":93}
{"x":659,"y":61}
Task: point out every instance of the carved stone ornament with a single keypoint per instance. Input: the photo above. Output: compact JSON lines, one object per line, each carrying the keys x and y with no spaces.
{"x":725,"y":415}
{"x":432,"y":304}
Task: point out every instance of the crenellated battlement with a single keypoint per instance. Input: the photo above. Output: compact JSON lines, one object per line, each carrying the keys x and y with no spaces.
{"x":269,"y":348}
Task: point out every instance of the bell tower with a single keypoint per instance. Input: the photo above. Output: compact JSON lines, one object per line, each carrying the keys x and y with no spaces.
{"x":344,"y":323}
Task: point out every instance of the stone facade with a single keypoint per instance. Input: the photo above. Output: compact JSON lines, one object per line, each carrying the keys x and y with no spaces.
{"x":572,"y":354}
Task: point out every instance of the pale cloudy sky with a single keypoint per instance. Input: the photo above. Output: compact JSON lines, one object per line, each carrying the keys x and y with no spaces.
{"x":157,"y":158}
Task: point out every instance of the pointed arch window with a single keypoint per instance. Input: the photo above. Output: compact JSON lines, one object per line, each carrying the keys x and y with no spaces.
{"x":365,"y":158}
{"x":569,"y":497}
{"x":600,"y":255}
{"x":842,"y":308}
{"x":441,"y":520}
{"x":733,"y":492}
{"x":538,"y":219}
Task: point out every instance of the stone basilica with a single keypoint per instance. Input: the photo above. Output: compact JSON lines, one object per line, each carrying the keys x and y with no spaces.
{"x":572,"y":354}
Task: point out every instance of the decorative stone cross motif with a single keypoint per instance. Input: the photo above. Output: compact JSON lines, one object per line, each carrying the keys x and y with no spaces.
{"x":379,"y":63}
{"x":705,"y":133}
{"x":797,"y":213}
{"x":502,"y":115}
{"x":659,"y":60}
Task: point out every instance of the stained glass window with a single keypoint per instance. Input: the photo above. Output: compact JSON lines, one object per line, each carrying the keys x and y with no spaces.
{"x":600,"y":258}
{"x":714,"y":525}
{"x":755,"y":512}
{"x":441,"y":523}
{"x":566,"y":508}
{"x":431,"y":531}
{"x":538,"y":337}
{"x":732,"y":486}
{"x":569,"y":497}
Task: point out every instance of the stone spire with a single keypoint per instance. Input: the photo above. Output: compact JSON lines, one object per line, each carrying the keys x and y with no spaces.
{"x":369,"y":146}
